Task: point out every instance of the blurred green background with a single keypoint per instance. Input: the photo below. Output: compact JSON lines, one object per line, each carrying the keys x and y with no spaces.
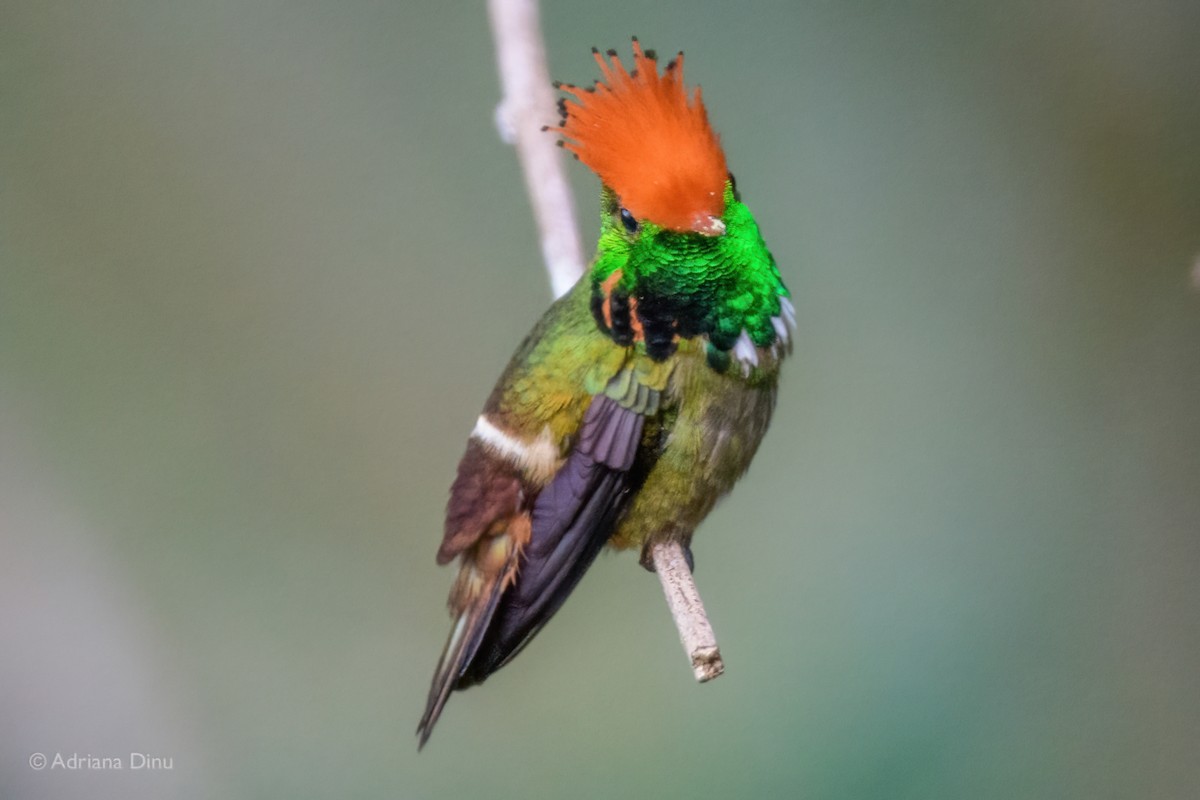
{"x":260,"y":264}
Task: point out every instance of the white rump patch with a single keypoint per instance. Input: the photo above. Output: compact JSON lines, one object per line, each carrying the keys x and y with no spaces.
{"x":538,"y":458}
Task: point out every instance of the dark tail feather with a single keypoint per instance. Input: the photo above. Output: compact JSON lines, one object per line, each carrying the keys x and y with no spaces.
{"x":573,"y":517}
{"x":464,"y":641}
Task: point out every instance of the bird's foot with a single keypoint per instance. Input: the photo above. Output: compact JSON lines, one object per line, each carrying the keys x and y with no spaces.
{"x":647,"y":558}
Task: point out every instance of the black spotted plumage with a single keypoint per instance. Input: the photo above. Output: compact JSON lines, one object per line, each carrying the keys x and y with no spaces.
{"x":621,"y":316}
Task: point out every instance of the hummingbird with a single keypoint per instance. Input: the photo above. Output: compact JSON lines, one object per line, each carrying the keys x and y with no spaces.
{"x":641,"y":395}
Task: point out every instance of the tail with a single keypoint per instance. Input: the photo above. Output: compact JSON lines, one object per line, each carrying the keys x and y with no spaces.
{"x":497,"y":611}
{"x":487,"y":570}
{"x":464,"y":640}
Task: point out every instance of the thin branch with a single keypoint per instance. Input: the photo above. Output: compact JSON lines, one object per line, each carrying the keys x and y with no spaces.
{"x":528,"y":104}
{"x":695,"y":632}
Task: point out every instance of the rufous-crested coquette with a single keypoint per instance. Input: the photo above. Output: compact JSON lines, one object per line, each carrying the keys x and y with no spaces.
{"x":641,"y":395}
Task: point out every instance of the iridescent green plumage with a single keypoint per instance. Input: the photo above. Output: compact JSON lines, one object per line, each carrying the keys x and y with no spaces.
{"x":727,"y":283}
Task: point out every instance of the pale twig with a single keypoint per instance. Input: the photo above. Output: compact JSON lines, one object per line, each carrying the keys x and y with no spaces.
{"x":528,"y":104}
{"x":699,"y":641}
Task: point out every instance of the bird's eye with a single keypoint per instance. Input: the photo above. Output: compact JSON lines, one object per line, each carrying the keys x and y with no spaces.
{"x":628,"y":221}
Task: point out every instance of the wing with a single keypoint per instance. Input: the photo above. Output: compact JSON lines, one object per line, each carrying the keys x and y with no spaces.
{"x":572,"y":519}
{"x":515,"y":577}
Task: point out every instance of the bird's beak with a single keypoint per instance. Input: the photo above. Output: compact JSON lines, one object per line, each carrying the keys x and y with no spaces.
{"x":709,"y":226}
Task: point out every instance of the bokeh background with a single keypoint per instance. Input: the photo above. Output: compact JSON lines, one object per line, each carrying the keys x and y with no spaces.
{"x":260,"y":264}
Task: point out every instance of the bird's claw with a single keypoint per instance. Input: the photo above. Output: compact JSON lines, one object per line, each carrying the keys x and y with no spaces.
{"x":647,"y":558}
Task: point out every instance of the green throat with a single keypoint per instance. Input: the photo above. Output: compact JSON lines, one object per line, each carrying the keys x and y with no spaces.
{"x":653,"y":285}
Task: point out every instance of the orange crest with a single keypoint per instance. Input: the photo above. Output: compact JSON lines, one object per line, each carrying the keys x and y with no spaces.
{"x":649,"y":142}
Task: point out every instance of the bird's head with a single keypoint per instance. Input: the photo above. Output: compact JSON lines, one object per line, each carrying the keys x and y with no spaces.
{"x":673,"y":223}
